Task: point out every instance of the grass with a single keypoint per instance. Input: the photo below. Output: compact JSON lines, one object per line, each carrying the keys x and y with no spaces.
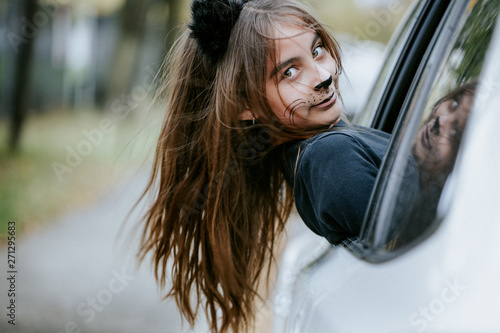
{"x":33,"y":194}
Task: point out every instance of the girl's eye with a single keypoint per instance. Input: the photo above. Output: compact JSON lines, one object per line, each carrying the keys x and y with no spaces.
{"x":317,"y":51}
{"x":454,"y":105}
{"x":290,"y":72}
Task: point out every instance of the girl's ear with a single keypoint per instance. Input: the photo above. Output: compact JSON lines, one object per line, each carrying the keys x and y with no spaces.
{"x":247,"y":115}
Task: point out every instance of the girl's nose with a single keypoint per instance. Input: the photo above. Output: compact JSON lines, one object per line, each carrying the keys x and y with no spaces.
{"x":435,"y":129}
{"x":325,"y":84}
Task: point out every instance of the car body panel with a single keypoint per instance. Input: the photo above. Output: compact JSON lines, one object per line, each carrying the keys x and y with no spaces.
{"x":448,"y":282}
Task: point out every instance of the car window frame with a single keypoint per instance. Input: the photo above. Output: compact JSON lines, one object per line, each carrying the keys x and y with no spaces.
{"x":398,"y":82}
{"x":367,"y":246}
{"x":396,"y":46}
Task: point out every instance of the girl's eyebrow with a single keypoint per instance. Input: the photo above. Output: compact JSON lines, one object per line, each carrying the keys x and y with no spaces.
{"x":286,"y":63}
{"x":283,"y":65}
{"x":316,"y":37}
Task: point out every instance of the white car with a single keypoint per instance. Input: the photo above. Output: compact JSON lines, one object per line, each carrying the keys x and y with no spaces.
{"x":428,"y":257}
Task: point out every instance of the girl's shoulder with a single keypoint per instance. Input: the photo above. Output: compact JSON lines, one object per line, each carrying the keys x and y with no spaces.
{"x":344,"y":137}
{"x":343,"y":145}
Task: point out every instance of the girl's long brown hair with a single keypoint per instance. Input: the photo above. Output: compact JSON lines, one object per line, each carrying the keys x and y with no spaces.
{"x":219,"y":196}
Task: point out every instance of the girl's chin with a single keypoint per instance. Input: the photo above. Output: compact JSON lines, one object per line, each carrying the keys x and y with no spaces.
{"x":326,"y":117}
{"x":316,"y":118}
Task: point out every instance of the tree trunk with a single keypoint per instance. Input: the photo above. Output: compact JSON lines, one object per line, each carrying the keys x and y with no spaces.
{"x":22,"y":41}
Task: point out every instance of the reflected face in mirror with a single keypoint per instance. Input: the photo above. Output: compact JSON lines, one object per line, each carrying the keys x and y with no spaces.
{"x":437,"y":142}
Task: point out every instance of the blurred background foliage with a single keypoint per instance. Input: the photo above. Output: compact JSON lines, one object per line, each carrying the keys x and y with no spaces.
{"x":77,"y":77}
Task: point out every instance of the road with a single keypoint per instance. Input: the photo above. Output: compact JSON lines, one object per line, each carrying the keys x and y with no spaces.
{"x":76,"y":277}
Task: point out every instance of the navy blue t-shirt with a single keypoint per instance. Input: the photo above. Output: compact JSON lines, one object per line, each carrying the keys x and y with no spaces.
{"x":334,"y":178}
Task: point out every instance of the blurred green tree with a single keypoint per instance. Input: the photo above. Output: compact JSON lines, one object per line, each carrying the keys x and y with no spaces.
{"x":174,"y":19}
{"x":133,"y":33}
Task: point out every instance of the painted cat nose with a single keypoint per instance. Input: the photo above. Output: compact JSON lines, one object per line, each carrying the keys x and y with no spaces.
{"x":325,"y":84}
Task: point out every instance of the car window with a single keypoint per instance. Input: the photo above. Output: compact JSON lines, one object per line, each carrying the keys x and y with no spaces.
{"x":423,"y":153}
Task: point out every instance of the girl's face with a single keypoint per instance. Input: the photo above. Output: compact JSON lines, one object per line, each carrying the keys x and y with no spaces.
{"x":307,"y":76}
{"x":437,"y":139}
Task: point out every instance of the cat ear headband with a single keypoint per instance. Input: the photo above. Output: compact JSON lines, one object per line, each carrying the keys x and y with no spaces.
{"x":211,"y":25}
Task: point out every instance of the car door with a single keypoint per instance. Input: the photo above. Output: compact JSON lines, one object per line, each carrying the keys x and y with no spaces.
{"x":427,"y":137}
{"x":423,"y":261}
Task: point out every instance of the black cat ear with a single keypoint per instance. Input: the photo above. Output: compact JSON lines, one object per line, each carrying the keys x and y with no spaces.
{"x":211,"y":25}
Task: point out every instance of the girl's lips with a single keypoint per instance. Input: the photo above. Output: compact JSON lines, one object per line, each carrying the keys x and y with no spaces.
{"x":426,"y":142}
{"x":327,"y":103}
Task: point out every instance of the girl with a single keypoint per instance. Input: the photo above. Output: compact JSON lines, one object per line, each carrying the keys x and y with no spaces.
{"x":253,"y":105}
